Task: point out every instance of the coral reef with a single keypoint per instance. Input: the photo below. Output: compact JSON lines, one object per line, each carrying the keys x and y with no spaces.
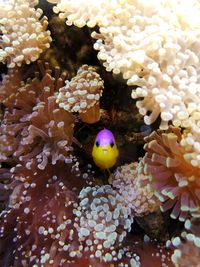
{"x":102,"y":221}
{"x":175,"y":180}
{"x":33,"y":127}
{"x":38,"y":215}
{"x":134,"y":38}
{"x":10,"y":83}
{"x":135,"y":188}
{"x":23,"y":32}
{"x":47,"y":224}
{"x":82,"y":94}
{"x":100,"y":62}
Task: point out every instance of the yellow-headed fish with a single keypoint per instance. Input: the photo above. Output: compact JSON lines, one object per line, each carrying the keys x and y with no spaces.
{"x":105,"y":152}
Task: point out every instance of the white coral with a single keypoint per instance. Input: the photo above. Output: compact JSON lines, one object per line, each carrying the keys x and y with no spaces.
{"x":23,"y":32}
{"x":155,"y":44}
{"x":82,"y":92}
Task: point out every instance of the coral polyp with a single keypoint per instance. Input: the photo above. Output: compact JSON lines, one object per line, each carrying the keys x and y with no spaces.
{"x":33,"y":127}
{"x":132,"y":183}
{"x":102,"y":222}
{"x":175,"y":180}
{"x":23,"y":32}
{"x":82,"y":94}
{"x":38,"y":216}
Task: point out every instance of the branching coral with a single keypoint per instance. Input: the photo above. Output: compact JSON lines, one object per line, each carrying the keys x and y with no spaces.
{"x":137,"y":252}
{"x":37,"y":225}
{"x":175,"y":180}
{"x":82,"y":94}
{"x":23,"y":32}
{"x":135,"y":188}
{"x":33,"y":127}
{"x":154,"y":44}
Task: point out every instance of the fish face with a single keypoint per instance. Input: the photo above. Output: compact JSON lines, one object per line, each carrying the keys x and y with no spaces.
{"x":105,"y":152}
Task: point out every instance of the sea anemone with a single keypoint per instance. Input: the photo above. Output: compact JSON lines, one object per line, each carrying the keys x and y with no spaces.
{"x":37,"y":223}
{"x":102,"y":221}
{"x":134,"y":38}
{"x":176,"y":181}
{"x":190,"y":141}
{"x":135,"y":187}
{"x":23,"y":32}
{"x":46,"y":224}
{"x":81,"y":14}
{"x":82,"y":94}
{"x":10,"y":83}
{"x":33,"y":127}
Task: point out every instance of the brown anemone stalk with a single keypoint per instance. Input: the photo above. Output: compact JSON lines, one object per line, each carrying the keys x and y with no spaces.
{"x":176,"y":181}
{"x":34,"y":128}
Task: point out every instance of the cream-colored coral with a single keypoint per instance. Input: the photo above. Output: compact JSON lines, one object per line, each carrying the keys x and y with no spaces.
{"x":135,"y":187}
{"x":154,"y":44}
{"x":191,"y":138}
{"x":23,"y":32}
{"x":156,"y":48}
{"x":81,"y":13}
{"x":82,"y":92}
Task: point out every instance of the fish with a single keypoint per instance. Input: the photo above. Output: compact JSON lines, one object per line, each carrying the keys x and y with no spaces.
{"x":105,"y":152}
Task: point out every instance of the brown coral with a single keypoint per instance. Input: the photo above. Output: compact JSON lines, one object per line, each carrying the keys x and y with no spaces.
{"x":176,"y":181}
{"x":46,"y":224}
{"x":38,"y":221}
{"x":33,"y":127}
{"x":82,"y":94}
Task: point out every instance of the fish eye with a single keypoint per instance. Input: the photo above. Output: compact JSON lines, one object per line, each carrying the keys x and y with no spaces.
{"x":112,"y":144}
{"x":97,"y":143}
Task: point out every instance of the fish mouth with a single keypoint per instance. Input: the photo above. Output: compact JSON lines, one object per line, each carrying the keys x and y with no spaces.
{"x":105,"y":150}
